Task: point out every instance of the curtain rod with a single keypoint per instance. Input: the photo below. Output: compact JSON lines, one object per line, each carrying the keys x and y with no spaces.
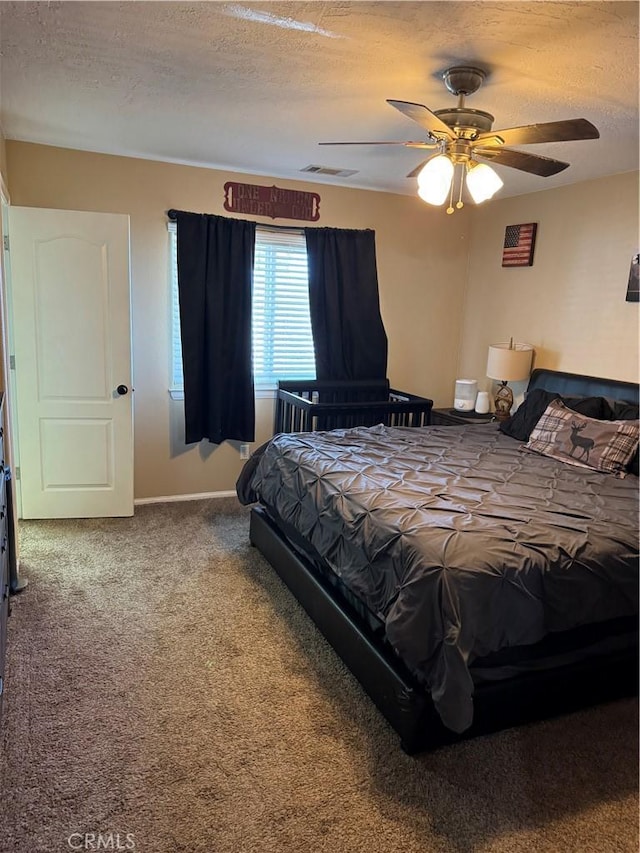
{"x":172,"y":215}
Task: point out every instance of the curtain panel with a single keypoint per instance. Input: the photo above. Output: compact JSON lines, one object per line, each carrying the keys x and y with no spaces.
{"x":348,"y":333}
{"x":215,"y":272}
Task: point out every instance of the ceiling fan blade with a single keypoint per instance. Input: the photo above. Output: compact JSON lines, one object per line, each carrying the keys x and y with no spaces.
{"x":533,"y":163}
{"x":415,"y":172}
{"x":425,"y":118}
{"x":551,"y":131}
{"x":406,"y":144}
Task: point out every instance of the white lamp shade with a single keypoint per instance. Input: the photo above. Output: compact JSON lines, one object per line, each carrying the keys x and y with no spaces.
{"x":483,"y":182}
{"x":434,"y":180}
{"x":509,"y":364}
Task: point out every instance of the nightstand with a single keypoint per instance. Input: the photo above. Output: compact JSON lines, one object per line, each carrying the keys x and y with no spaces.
{"x":451,"y":417}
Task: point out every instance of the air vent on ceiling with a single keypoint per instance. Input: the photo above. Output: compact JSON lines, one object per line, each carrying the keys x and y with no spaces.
{"x":326,"y":170}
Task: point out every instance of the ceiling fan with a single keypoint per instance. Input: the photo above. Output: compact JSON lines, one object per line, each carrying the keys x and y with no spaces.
{"x":463,"y":136}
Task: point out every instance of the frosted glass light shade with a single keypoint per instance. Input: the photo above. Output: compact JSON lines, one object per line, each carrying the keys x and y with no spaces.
{"x":434,"y":180}
{"x":483,"y":182}
{"x":509,"y":365}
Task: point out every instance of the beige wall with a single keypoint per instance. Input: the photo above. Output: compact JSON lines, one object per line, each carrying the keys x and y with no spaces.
{"x":422,"y":268}
{"x":3,"y":196}
{"x":3,"y":156}
{"x":443,"y":292}
{"x":571,"y":303}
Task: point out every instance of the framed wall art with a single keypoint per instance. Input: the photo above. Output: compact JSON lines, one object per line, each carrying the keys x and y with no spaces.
{"x":519,"y":243}
{"x":633,"y":285}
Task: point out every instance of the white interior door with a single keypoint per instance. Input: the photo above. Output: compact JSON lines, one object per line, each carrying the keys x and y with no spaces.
{"x":70,"y":305}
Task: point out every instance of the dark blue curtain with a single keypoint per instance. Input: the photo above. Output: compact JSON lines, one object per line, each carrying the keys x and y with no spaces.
{"x":348,"y":334}
{"x":215,"y":272}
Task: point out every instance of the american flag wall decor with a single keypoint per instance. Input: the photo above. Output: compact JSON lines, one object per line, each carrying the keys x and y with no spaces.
{"x":633,"y":287}
{"x":519,"y":243}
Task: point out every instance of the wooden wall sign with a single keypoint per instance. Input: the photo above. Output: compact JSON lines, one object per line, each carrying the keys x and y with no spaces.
{"x":271,"y":201}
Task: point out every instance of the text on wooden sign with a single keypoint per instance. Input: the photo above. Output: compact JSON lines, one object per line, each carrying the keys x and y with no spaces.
{"x":271,"y":201}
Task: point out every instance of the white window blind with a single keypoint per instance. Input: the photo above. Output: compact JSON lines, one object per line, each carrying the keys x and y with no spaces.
{"x":282,"y":341}
{"x":177,"y":379}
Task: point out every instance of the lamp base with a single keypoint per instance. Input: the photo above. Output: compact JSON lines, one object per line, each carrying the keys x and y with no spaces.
{"x":503,"y":402}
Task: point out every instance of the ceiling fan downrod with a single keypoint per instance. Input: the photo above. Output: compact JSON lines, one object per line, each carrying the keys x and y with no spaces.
{"x":466,"y":123}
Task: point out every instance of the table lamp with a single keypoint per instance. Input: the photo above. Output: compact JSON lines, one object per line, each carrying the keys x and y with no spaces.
{"x":508,"y":362}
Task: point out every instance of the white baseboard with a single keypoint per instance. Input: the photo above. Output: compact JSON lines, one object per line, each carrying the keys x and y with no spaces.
{"x":202,"y":496}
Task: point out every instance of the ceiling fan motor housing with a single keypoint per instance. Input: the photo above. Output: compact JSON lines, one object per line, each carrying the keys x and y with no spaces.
{"x":467,"y":123}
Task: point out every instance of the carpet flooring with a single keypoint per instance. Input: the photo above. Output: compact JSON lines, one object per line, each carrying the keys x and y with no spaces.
{"x":166,"y":694}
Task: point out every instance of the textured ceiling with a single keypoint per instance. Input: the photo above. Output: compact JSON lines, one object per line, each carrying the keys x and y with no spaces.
{"x":254,"y":87}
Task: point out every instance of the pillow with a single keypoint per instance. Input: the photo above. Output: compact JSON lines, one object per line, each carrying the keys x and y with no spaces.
{"x":527,"y":415}
{"x":627,"y":412}
{"x":586,"y":442}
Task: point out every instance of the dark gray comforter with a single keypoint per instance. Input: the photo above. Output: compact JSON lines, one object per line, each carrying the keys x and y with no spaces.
{"x":459,"y":540}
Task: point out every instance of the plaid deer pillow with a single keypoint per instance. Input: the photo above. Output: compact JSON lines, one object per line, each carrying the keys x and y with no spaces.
{"x":588,"y":443}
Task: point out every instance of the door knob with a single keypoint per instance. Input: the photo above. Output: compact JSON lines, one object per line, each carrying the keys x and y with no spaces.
{"x":122,"y":389}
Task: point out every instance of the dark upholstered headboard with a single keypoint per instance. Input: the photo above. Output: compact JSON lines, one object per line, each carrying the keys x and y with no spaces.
{"x":576,"y":385}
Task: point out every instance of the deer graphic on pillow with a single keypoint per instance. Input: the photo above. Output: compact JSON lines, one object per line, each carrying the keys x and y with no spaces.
{"x":580,"y":442}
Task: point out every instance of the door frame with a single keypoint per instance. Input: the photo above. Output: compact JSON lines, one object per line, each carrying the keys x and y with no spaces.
{"x":6,"y":331}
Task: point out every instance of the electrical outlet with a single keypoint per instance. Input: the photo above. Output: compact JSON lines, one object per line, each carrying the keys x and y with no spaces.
{"x":245,"y":453}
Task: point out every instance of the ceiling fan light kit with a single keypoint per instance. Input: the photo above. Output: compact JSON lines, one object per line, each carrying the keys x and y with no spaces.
{"x":482,"y":182}
{"x":462,"y":136}
{"x":434,"y":179}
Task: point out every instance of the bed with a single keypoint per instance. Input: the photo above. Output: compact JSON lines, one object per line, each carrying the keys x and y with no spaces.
{"x":468,"y":583}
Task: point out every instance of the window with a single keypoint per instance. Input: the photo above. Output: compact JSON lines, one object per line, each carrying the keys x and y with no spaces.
{"x":177,"y":379}
{"x":282,"y":341}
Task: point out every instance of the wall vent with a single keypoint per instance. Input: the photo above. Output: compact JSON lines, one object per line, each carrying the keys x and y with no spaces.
{"x":326,"y":170}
